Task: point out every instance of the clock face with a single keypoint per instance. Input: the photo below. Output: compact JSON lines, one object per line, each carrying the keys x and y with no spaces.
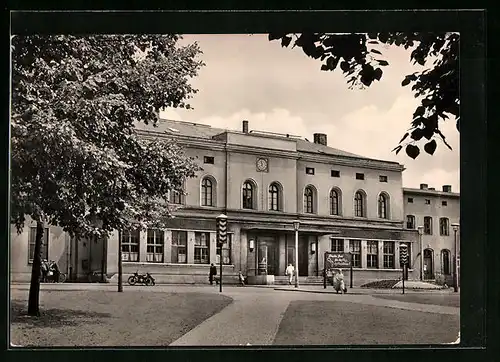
{"x":262,"y":164}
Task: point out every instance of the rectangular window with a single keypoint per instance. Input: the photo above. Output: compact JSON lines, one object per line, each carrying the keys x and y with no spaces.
{"x":44,"y":251}
{"x":382,"y":178}
{"x":179,"y":247}
{"x":410,"y":222}
{"x":337,"y":245}
{"x":130,"y":245}
{"x":310,"y":170}
{"x":427,"y":201}
{"x":409,"y":256}
{"x":444,"y":227}
{"x":388,"y":255}
{"x":355,"y":249}
{"x":335,"y":173}
{"x":360,"y":176}
{"x":410,"y":200}
{"x":201,"y":248}
{"x":372,"y":254}
{"x":208,"y":159}
{"x":444,"y":203}
{"x":154,"y":248}
{"x":176,"y":197}
{"x":428,"y":225}
{"x":226,"y":251}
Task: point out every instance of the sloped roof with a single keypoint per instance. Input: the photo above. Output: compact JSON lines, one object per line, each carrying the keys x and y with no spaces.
{"x":199,"y":130}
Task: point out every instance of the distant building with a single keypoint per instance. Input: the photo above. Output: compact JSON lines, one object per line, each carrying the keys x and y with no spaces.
{"x":264,"y":182}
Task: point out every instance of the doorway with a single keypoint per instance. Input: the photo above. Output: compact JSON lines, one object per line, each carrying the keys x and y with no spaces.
{"x":268,"y":255}
{"x":303,"y":256}
{"x":428,"y":264}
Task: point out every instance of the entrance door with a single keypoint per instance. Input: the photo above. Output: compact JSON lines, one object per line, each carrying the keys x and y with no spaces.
{"x":428,"y":264}
{"x":303,"y":256}
{"x":268,"y":254}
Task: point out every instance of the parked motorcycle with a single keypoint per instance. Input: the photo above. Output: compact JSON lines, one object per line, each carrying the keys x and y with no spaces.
{"x":146,"y":279}
{"x":50,"y":272}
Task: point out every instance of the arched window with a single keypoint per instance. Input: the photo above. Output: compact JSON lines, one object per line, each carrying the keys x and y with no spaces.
{"x":359,"y":204}
{"x":334,"y":202}
{"x":382,"y":206}
{"x":248,"y":195}
{"x":309,"y":200}
{"x":207,"y":198}
{"x":274,"y":197}
{"x":445,"y":257}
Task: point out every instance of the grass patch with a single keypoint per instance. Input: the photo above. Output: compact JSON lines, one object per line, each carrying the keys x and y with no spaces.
{"x":344,"y":323}
{"x":381,"y":284}
{"x":109,"y":318}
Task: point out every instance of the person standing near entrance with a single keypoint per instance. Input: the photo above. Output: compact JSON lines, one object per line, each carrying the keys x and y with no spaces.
{"x":213,"y":272}
{"x":290,"y":271}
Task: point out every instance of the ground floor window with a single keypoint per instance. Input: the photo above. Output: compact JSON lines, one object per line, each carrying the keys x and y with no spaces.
{"x":201,"y":248}
{"x":388,"y":255}
{"x":337,"y":245}
{"x":179,"y":246}
{"x":372,"y":254}
{"x":155,"y":246}
{"x":44,"y":250}
{"x":446,"y":262}
{"x":226,"y":251}
{"x":130,"y":245}
{"x":355,"y":249}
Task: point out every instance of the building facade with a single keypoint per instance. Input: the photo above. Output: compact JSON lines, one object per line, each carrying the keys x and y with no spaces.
{"x":264,"y":182}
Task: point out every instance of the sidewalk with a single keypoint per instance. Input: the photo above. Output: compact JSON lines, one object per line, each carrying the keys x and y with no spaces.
{"x":359,"y":291}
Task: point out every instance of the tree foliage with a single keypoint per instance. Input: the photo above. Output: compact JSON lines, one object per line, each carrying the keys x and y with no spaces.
{"x":361,"y":61}
{"x":76,"y":157}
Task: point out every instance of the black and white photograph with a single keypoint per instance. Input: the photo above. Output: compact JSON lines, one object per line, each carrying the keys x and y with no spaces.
{"x":246,"y":189}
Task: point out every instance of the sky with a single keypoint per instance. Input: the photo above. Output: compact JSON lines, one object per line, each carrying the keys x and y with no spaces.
{"x":247,"y":77}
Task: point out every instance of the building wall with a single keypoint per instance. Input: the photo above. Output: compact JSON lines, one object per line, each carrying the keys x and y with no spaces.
{"x":323,"y":182}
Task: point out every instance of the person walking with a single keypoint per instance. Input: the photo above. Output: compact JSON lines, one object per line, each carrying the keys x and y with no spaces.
{"x":290,"y":271}
{"x":212,"y":274}
{"x":241,"y":278}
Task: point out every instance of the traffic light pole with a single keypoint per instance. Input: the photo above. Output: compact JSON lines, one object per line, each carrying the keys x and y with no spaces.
{"x":220,"y":259}
{"x":221,"y":239}
{"x":404,"y":274}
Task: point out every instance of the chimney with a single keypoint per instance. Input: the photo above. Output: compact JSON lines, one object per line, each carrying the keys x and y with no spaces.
{"x":432,"y":189}
{"x":320,"y":139}
{"x":245,"y":126}
{"x":446,"y":188}
{"x":424,"y":186}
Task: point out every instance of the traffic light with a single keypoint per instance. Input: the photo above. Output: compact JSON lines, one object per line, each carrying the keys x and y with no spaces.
{"x":403,"y":254}
{"x":221,"y":229}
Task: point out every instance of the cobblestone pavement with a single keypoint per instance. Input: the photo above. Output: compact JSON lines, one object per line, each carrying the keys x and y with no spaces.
{"x":256,"y":313}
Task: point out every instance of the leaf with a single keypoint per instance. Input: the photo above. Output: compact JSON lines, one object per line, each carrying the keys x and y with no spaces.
{"x":430,"y":147}
{"x":382,"y":62}
{"x":419,"y":112}
{"x":404,"y":137}
{"x":324,"y":67}
{"x":377,"y":74}
{"x":285,"y":41}
{"x":405,"y":81}
{"x":417,"y":134}
{"x":397,"y":149}
{"x":412,"y":151}
{"x":376,"y":51}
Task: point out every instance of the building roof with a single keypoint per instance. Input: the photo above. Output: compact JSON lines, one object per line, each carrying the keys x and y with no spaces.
{"x":427,"y":192}
{"x":191,"y":129}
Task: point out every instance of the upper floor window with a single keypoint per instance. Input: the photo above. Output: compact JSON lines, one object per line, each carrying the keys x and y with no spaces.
{"x":444,"y":226}
{"x":410,"y":222}
{"x":444,"y":203}
{"x":310,"y":170}
{"x":176,"y":197}
{"x":410,"y":200}
{"x":335,"y":173}
{"x":360,"y":176}
{"x":427,"y":201}
{"x":382,"y":206}
{"x":274,"y":197}
{"x":309,"y":200}
{"x":428,"y":225}
{"x":359,"y":204}
{"x":44,"y":251}
{"x":207,"y":192}
{"x":334,"y":202}
{"x":248,"y":195}
{"x":208,"y":159}
{"x":382,"y":178}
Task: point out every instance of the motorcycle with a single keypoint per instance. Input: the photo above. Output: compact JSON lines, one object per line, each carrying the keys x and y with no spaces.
{"x":50,"y":272}
{"x":146,"y":279}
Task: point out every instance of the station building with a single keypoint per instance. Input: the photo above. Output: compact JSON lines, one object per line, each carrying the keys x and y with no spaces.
{"x":270,"y":186}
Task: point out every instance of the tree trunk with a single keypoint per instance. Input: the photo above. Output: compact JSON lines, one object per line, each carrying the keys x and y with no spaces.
{"x":34,"y":294}
{"x":120,"y":271}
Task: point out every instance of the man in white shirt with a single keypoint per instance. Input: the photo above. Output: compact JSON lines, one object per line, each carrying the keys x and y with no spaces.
{"x":290,"y":270}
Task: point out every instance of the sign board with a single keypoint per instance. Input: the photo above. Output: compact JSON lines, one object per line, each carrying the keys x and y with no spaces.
{"x":335,"y":260}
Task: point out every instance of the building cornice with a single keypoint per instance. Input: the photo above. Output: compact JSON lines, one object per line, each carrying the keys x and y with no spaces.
{"x":437,"y":193}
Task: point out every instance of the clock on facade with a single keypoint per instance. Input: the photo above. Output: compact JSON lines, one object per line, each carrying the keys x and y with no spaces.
{"x":262,"y":164}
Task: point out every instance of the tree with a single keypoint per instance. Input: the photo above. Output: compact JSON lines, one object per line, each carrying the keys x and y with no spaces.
{"x":361,"y":63}
{"x":76,"y":160}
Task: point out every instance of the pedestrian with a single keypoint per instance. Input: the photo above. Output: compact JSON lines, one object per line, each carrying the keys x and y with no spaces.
{"x":290,"y":270}
{"x":212,"y":274}
{"x":241,"y":278}
{"x":339,"y":282}
{"x":44,"y":269}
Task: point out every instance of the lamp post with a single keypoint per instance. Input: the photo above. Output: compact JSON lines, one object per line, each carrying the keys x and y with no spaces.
{"x":296,"y":225}
{"x":420,"y":236}
{"x":455,"y":260}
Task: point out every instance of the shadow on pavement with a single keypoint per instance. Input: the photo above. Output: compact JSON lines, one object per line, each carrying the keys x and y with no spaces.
{"x":53,"y":318}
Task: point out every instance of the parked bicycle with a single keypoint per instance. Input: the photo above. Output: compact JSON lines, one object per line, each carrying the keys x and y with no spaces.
{"x":136,"y":278}
{"x":50,"y":272}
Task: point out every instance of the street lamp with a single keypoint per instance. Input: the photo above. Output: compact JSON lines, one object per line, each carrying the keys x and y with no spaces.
{"x":455,"y":260}
{"x":420,"y":234}
{"x":296,"y":225}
